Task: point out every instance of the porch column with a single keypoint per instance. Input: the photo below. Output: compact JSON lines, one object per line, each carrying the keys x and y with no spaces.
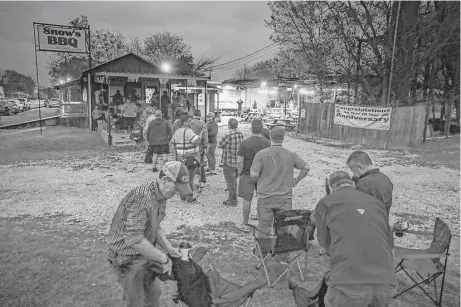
{"x":88,"y":99}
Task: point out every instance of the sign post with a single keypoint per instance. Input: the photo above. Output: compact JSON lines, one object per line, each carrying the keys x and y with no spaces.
{"x":61,"y":38}
{"x":38,"y":84}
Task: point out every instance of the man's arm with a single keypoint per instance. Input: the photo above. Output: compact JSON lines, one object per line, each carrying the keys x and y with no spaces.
{"x":240,"y":165}
{"x":256,"y":167}
{"x":240,"y":158}
{"x":163,"y":242}
{"x":194,"y":138}
{"x":223,"y":142}
{"x":303,"y":166}
{"x":323,"y":233}
{"x":134,"y":231}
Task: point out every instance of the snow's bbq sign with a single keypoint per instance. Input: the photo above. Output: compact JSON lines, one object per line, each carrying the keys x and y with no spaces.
{"x":55,"y":38}
{"x":363,"y":117}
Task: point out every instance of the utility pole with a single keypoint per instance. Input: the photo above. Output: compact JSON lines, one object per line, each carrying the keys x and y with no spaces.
{"x":244,"y":78}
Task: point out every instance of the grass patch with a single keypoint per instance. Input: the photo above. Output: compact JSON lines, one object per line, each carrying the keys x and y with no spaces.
{"x":54,"y":261}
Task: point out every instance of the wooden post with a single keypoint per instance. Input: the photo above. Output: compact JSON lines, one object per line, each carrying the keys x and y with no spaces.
{"x":88,"y":99}
{"x":108,"y":115}
{"x":448,"y":115}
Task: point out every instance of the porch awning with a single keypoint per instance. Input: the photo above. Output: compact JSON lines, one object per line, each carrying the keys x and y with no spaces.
{"x":153,"y":76}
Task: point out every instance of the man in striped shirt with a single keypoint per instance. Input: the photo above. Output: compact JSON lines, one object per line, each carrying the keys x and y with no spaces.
{"x":230,"y":144}
{"x":138,"y":248}
{"x":185,"y":143}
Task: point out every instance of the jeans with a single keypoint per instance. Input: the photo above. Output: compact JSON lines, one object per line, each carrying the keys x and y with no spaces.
{"x":360,"y":295}
{"x":139,"y":289}
{"x":266,"y":208}
{"x":211,"y":156}
{"x":230,"y":175}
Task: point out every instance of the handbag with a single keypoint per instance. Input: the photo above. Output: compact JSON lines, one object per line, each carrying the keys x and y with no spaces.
{"x":190,"y":161}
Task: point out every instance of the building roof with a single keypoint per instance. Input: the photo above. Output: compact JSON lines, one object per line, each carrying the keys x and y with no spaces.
{"x":130,"y":54}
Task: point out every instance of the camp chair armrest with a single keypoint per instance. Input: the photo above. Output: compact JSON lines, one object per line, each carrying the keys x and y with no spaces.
{"x":416,"y":232}
{"x":258,"y":230}
{"x":424,"y":256}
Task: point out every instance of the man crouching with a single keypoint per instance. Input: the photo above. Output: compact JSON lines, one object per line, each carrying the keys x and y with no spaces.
{"x":352,"y":228}
{"x":135,"y":236}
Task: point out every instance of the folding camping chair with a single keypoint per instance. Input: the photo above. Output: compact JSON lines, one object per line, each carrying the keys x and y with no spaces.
{"x":224,"y":293}
{"x":280,"y":242}
{"x":426,"y":263}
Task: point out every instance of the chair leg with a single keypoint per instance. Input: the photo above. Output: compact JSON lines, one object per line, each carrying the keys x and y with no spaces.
{"x":300,"y":271}
{"x":417,"y":284}
{"x":264,"y":264}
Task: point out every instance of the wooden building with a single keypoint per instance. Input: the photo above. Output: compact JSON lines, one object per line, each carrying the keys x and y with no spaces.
{"x":132,"y":76}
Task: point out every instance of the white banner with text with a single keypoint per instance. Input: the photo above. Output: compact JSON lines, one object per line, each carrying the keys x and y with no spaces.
{"x":363,"y":117}
{"x":55,"y":38}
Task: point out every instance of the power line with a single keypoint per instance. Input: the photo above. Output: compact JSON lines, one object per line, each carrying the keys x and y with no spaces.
{"x":228,"y":67}
{"x":239,"y":64}
{"x":244,"y":56}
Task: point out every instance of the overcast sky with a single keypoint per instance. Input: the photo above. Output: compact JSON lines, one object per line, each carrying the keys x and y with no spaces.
{"x":228,"y":30}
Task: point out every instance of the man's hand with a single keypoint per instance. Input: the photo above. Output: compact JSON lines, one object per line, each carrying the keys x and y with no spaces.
{"x":174,"y":252}
{"x":167,"y":267}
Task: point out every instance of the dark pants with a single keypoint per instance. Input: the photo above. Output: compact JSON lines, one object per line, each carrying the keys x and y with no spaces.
{"x":95,"y":123}
{"x":202,"y":168}
{"x":230,"y":175}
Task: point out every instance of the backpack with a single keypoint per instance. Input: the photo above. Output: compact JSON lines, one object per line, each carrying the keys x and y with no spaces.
{"x":193,"y":285}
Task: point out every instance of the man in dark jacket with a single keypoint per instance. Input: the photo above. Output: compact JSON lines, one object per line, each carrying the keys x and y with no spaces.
{"x":353,"y":230}
{"x":369,"y":179}
{"x":165,"y":104}
{"x":158,"y":135}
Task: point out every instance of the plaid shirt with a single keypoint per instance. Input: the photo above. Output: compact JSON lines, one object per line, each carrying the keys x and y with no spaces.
{"x":230,"y":144}
{"x":138,"y":216}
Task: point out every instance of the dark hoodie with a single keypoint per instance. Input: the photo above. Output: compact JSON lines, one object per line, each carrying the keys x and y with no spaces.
{"x":159,"y":132}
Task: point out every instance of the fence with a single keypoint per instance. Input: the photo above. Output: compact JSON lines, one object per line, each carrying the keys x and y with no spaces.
{"x":406,"y":127}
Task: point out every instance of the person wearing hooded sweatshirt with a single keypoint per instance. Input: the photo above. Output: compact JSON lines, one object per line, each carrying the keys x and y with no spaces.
{"x":159,"y":133}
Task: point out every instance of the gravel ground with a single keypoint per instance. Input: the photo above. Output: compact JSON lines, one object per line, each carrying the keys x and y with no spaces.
{"x":91,"y":189}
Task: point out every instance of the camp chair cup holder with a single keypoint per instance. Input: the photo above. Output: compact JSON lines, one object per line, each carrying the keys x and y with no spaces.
{"x":290,"y":232}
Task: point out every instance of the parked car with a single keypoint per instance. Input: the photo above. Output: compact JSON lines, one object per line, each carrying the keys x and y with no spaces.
{"x":24,"y":104}
{"x":14,"y":106}
{"x":53,"y":102}
{"x":7,"y":108}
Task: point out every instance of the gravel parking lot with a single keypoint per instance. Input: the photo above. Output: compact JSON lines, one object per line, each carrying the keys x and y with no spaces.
{"x":90,"y":188}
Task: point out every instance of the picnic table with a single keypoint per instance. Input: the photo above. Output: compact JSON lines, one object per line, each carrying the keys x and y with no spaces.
{"x":288,"y":123}
{"x":250,"y":116}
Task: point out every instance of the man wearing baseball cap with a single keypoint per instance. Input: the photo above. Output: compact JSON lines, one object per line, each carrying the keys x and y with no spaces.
{"x":136,"y":241}
{"x":273,"y":170}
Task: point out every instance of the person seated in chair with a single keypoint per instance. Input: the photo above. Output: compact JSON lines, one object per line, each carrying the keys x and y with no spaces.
{"x":352,"y":229}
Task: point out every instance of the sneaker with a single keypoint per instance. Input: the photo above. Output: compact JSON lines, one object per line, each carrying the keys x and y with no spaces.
{"x":155,"y":170}
{"x":230,"y":203}
{"x":191,"y":200}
